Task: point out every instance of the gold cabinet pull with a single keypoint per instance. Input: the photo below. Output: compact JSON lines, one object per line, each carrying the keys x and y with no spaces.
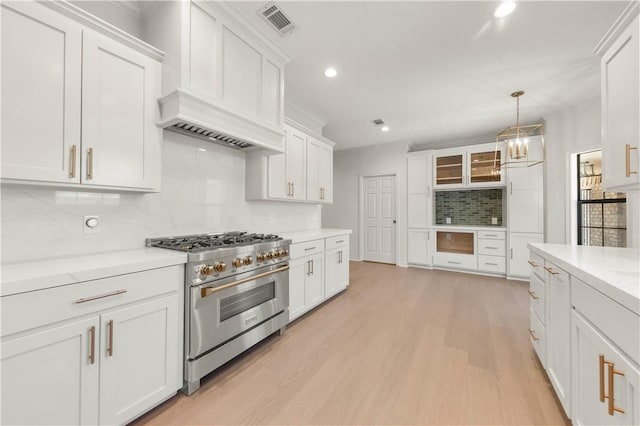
{"x":72,"y":166}
{"x":110,"y":342}
{"x":92,"y":344}
{"x":100,"y":296}
{"x":532,"y":263}
{"x":293,"y":189}
{"x":602,"y":362}
{"x":90,"y":163}
{"x":612,"y":373}
{"x":533,"y":295}
{"x":551,"y":271}
{"x":533,"y":335}
{"x":627,"y":154}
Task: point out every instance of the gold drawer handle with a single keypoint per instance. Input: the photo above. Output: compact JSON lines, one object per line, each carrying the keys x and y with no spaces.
{"x":72,"y":168}
{"x":110,"y":342}
{"x":92,"y":350}
{"x":100,"y":296}
{"x":532,"y":263}
{"x":533,"y":295}
{"x":551,"y":271}
{"x":533,"y":335}
{"x":612,"y":373}
{"x":627,"y":153}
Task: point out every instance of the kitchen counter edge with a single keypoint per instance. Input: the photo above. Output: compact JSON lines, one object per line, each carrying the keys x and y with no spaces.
{"x":29,"y":276}
{"x":304,"y":236}
{"x":603,"y":268}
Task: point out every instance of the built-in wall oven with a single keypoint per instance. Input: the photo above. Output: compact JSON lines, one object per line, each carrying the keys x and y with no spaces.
{"x":236,"y":294}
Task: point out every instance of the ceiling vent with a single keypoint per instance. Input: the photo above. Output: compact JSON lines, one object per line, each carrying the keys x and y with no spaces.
{"x":209,"y":135}
{"x":276,"y":18}
{"x":377,"y":122}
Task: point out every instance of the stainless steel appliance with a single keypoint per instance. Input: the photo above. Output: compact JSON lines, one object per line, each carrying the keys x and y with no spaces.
{"x":236,"y":294}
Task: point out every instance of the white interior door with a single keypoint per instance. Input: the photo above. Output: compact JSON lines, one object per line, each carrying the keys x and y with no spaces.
{"x":379,"y":219}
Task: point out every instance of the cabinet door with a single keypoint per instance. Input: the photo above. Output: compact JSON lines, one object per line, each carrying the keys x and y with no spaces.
{"x":519,"y":253}
{"x":591,"y":388}
{"x":325,"y":173}
{"x":297,"y":275}
{"x":120,"y":139}
{"x":620,"y":67}
{"x":49,"y":377}
{"x":277,"y":184}
{"x":418,"y":174}
{"x":41,"y":75}
{"x":558,"y":333}
{"x":314,"y":281}
{"x":449,"y":170}
{"x":342,"y":272}
{"x":484,"y":166}
{"x":525,"y":198}
{"x":296,"y":162}
{"x":138,"y":358}
{"x":332,"y":259}
{"x":313,"y":168}
{"x":418,"y":247}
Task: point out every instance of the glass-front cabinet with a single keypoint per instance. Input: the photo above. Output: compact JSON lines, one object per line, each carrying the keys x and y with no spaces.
{"x":471,"y":166}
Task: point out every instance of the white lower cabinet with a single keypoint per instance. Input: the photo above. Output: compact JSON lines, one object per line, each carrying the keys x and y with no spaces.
{"x":558,"y":329}
{"x":48,"y":376}
{"x":518,"y":254}
{"x":111,"y":353}
{"x":418,"y":250}
{"x":336,"y":276}
{"x":606,"y":383}
{"x":318,"y":270}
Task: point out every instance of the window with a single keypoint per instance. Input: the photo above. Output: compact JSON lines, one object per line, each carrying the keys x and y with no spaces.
{"x":602,"y":216}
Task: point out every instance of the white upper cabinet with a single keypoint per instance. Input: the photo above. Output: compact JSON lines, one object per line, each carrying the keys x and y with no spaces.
{"x":319,"y":171}
{"x":471,"y":166}
{"x":119,"y":134}
{"x":525,"y":196}
{"x":80,"y":107}
{"x":41,"y":94}
{"x":224,"y":78}
{"x":620,"y":97}
{"x":304,"y":172}
{"x":419,"y":189}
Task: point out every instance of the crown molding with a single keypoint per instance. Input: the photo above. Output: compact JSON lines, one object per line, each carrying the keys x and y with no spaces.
{"x":622,"y":23}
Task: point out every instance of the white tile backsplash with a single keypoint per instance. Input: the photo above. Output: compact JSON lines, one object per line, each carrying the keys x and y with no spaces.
{"x":202,"y":191}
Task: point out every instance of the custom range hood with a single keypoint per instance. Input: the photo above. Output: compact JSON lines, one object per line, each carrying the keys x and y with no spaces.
{"x":222,"y":80}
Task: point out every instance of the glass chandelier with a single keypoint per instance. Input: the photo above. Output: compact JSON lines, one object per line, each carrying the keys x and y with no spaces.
{"x":515,"y":140}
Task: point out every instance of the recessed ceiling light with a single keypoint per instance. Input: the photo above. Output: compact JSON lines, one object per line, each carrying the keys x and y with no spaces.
{"x":505,"y":8}
{"x":330,"y":72}
{"x":384,"y":128}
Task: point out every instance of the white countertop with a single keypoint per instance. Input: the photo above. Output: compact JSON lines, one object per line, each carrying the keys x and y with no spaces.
{"x":304,"y":236}
{"x":30,"y":276}
{"x":612,"y":271}
{"x":471,"y":228}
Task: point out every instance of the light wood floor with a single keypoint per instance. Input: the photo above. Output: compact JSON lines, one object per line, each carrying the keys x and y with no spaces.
{"x":400,"y":346}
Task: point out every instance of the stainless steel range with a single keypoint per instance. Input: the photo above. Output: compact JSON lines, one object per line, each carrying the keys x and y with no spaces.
{"x":236,"y":294}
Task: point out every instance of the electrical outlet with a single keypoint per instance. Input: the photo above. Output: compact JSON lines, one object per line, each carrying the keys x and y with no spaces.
{"x":494,"y":220}
{"x":448,"y":221}
{"x":91,"y":224}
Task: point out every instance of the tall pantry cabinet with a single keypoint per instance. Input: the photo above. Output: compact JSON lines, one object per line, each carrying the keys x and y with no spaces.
{"x":420,"y":207}
{"x":525,"y":210}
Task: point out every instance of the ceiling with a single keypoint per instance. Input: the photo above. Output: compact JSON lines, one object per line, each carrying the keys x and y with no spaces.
{"x":437,"y":71}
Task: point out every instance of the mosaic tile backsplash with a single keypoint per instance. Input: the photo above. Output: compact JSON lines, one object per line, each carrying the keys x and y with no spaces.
{"x":469,"y":207}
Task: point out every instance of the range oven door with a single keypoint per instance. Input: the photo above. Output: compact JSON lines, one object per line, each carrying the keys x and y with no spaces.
{"x":223,"y":309}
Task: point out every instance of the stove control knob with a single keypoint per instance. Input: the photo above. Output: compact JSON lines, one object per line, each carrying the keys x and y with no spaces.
{"x":248,"y":260}
{"x":276,"y":254}
{"x":262,"y":257}
{"x":237,"y":262}
{"x":282,"y":253}
{"x":219,"y":266}
{"x":269,"y":255}
{"x":207,"y":270}
{"x":286,"y":252}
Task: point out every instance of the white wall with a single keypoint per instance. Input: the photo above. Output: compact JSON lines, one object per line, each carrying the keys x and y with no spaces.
{"x":348,"y":166}
{"x":570,"y":131}
{"x":202,"y":191}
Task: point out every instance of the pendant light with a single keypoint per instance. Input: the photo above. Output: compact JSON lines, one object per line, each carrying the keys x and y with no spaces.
{"x":515,"y":140}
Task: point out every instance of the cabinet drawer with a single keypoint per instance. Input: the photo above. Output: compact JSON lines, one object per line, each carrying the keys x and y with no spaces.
{"x":491,"y":247}
{"x":537,"y":336}
{"x":615,"y":321}
{"x":306,"y":248}
{"x":25,"y":311}
{"x":536,"y":263}
{"x":494,"y":264}
{"x":537,"y":295}
{"x":339,"y":241}
{"x":491,"y":235}
{"x":456,"y":261}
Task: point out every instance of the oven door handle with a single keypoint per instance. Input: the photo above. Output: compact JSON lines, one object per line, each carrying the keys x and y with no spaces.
{"x":208,"y":291}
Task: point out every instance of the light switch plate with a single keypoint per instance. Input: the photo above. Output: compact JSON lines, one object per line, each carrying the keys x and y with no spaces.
{"x":448,"y":220}
{"x":91,"y":224}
